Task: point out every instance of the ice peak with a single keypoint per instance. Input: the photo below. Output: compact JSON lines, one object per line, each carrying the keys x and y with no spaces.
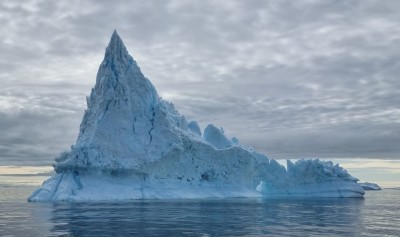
{"x":116,"y":51}
{"x":122,"y":95}
{"x":115,"y":44}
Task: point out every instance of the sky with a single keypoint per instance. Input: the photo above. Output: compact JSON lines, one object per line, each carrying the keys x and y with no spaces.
{"x":293,"y":79}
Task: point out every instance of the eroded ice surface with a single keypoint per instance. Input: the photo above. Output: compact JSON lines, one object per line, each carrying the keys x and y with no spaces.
{"x":134,"y":145}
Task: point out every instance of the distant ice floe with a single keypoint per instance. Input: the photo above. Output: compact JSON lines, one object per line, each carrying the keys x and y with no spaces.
{"x":370,"y":186}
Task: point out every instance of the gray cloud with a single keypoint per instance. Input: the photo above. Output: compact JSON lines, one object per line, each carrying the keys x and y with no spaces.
{"x":290,"y":78}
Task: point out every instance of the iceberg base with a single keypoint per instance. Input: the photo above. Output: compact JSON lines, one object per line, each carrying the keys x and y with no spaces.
{"x":65,"y":187}
{"x":327,"y":189}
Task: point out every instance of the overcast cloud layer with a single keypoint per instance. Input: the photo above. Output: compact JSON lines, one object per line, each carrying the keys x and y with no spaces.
{"x":290,"y":78}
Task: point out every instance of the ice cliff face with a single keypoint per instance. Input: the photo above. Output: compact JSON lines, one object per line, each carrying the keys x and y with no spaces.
{"x":134,"y":145}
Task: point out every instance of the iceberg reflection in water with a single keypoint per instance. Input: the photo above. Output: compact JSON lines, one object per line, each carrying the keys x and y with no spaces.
{"x":233,"y":217}
{"x":376,"y":215}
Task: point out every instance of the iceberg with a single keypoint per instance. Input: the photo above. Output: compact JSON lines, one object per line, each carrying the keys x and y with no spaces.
{"x":132,"y":144}
{"x":370,"y":186}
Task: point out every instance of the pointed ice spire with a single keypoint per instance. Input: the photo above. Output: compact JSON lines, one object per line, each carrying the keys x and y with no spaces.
{"x":116,"y":54}
{"x":116,"y":46}
{"x":121,"y":93}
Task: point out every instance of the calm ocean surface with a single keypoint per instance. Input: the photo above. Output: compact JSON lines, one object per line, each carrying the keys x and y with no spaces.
{"x":376,"y":215}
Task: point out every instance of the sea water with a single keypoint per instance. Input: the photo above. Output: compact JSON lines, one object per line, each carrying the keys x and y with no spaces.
{"x":378,"y":214}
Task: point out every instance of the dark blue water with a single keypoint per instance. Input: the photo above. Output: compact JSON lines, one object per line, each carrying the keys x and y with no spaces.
{"x":376,"y":215}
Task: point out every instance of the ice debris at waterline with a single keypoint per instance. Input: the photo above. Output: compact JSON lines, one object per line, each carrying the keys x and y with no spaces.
{"x":370,"y":186}
{"x":134,"y":145}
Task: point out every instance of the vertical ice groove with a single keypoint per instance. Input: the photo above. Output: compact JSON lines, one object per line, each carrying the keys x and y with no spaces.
{"x":153,"y":113}
{"x":133,"y":125}
{"x":59,"y":180}
{"x":77,"y":179}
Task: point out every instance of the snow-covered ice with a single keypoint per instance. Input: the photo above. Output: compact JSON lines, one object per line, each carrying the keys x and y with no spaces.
{"x":134,"y":145}
{"x":370,"y":186}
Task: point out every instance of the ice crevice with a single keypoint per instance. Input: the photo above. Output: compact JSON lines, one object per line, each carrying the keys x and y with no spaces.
{"x":77,"y":179}
{"x":133,"y":125}
{"x":153,"y":113}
